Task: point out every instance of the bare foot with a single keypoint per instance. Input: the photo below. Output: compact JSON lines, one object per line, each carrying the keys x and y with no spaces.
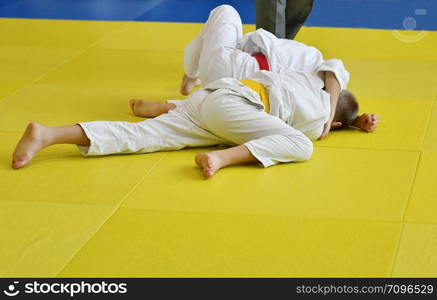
{"x":188,"y":84}
{"x":149,"y":109}
{"x":210,"y":162}
{"x":34,"y":139}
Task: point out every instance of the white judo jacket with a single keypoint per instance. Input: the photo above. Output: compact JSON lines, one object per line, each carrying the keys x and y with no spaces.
{"x":288,"y":55}
{"x":228,"y":112}
{"x":297,"y":98}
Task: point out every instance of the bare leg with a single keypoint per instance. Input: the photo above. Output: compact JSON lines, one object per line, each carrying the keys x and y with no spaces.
{"x":188,"y":84}
{"x":149,"y":109}
{"x":213,"y":161}
{"x":37,"y":137}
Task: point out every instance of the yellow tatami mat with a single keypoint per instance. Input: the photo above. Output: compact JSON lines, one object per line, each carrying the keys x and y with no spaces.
{"x":364,"y":205}
{"x":304,"y":186}
{"x":416,"y":257}
{"x":31,"y":48}
{"x":165,"y":243}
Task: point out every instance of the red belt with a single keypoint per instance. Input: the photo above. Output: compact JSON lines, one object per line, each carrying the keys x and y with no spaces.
{"x":262,"y":61}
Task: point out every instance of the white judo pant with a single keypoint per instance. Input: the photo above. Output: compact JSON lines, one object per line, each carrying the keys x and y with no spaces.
{"x":205,"y":119}
{"x":213,"y":54}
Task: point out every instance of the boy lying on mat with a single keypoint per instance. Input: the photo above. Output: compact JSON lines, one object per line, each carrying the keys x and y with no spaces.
{"x":270,"y":118}
{"x":220,"y":51}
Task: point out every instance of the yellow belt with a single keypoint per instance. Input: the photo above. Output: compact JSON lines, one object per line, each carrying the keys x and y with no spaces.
{"x":260,"y":90}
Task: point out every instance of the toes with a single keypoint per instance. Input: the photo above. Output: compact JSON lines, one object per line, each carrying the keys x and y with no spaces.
{"x":208,"y":173}
{"x":208,"y":167}
{"x":208,"y":162}
{"x":18,"y":164}
{"x":205,"y":161}
{"x":19,"y":160}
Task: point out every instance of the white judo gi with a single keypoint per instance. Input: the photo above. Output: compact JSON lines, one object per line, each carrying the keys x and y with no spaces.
{"x":220,"y":51}
{"x":228,"y":112}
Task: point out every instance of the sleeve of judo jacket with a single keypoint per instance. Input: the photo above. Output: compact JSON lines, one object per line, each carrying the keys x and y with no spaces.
{"x":337,"y":67}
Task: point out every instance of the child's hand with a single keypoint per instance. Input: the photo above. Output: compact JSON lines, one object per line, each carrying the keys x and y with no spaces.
{"x":326,"y":130}
{"x":367,"y":122}
{"x":330,"y":125}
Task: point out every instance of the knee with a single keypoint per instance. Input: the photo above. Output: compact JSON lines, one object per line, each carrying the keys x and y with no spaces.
{"x":224,"y":10}
{"x":302,"y":147}
{"x":307,"y":148}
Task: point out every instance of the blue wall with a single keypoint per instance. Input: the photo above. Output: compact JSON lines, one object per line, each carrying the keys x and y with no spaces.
{"x":386,"y":14}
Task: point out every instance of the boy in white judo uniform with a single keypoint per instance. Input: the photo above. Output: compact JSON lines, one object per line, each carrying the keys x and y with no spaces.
{"x":270,"y":119}
{"x":220,"y":51}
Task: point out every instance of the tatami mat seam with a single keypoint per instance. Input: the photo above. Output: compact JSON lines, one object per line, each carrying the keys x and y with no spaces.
{"x":80,"y":52}
{"x":122,"y":23}
{"x":9,"y":131}
{"x":253,"y":214}
{"x":396,"y":257}
{"x":398,"y":244}
{"x":145,"y":179}
{"x":420,"y":223}
{"x":114,"y":210}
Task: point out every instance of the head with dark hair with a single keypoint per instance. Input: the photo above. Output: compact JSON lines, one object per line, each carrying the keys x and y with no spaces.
{"x":346,"y":111}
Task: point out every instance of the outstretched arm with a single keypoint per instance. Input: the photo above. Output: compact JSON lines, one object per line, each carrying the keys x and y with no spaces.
{"x":332,"y":86}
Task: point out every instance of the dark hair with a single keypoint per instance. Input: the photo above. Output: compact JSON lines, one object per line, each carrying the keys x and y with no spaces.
{"x":347,"y":109}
